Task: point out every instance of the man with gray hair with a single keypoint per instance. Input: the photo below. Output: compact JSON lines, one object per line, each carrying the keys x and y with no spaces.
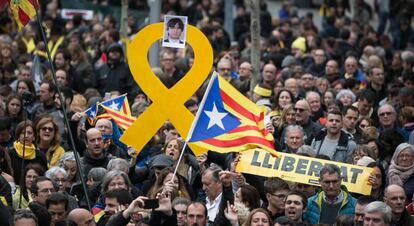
{"x":377,"y":213}
{"x":387,"y":117}
{"x":314,"y":100}
{"x":331,"y":201}
{"x":294,"y":138}
{"x":24,"y":217}
{"x":105,"y":126}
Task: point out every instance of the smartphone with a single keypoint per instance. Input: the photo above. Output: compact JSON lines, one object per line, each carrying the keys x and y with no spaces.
{"x":151,"y":204}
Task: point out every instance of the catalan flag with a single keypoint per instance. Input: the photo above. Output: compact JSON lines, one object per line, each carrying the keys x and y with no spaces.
{"x":118,"y":104}
{"x":123,"y":120}
{"x":23,"y":11}
{"x":229,"y":122}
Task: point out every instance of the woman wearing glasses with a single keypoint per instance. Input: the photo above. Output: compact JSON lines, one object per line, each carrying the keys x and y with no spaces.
{"x":48,"y":140}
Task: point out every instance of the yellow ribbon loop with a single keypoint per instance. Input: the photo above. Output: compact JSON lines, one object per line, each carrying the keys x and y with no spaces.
{"x":168,"y":104}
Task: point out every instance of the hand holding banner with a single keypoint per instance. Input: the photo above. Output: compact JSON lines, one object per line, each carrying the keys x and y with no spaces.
{"x":297,"y":168}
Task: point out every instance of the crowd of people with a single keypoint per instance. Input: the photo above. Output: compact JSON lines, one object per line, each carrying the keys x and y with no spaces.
{"x":341,"y":91}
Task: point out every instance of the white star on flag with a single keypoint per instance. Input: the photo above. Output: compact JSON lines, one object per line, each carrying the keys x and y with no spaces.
{"x":93,"y":113}
{"x":114,"y":105}
{"x":215,"y":117}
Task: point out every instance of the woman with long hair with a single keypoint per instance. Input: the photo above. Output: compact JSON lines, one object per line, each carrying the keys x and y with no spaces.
{"x":14,"y":107}
{"x":258,"y":217}
{"x":30,"y":174}
{"x":48,"y":140}
{"x":24,"y":150}
{"x":165,"y":183}
{"x":188,"y":168}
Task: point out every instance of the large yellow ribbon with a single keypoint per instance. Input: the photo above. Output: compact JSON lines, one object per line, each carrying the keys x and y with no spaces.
{"x":168,"y":104}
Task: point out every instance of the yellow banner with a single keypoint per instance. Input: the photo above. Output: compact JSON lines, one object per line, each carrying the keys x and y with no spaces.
{"x":302,"y":169}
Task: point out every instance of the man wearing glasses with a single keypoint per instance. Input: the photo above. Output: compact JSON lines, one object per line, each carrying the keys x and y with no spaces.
{"x":276,"y":190}
{"x":302,"y":114}
{"x":387,"y":117}
{"x":41,"y":189}
{"x":331,"y":201}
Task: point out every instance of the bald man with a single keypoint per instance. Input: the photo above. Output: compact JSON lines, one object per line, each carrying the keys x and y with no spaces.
{"x":302,"y":114}
{"x":394,"y":196}
{"x":81,"y":217}
{"x":105,"y":126}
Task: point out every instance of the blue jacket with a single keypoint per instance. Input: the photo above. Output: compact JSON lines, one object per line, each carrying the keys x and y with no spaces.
{"x":313,"y":211}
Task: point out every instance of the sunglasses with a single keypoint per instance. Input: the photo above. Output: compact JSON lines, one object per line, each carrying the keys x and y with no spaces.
{"x":385,"y":113}
{"x":50,"y":129}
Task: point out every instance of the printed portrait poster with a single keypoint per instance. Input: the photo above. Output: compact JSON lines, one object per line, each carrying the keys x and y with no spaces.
{"x":175,"y":28}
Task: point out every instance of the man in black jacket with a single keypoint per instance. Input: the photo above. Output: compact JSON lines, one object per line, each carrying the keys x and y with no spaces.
{"x":94,"y":155}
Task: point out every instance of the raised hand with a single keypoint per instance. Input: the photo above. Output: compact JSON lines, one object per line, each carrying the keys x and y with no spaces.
{"x":134,"y":207}
{"x":225,"y":178}
{"x":231,"y":214}
{"x":165,"y":203}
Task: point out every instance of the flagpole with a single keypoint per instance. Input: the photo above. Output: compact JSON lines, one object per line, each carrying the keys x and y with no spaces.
{"x":62,"y":102}
{"x":190,"y":132}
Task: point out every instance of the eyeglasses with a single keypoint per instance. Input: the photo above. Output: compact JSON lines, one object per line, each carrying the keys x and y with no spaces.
{"x":299,"y":109}
{"x":280,"y":196}
{"x":60,"y":180}
{"x":362,"y":126}
{"x":385,"y":113}
{"x":50,"y":129}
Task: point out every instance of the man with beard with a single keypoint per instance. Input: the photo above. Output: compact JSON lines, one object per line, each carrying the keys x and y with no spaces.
{"x":295,"y":206}
{"x":331,"y":201}
{"x":332,"y":141}
{"x":114,"y":200}
{"x":360,"y":205}
{"x":94,"y":156}
{"x":394,"y":196}
{"x":115,"y":74}
{"x":197,"y":214}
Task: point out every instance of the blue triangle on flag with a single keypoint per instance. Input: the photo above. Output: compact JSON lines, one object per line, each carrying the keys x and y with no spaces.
{"x":214,"y":119}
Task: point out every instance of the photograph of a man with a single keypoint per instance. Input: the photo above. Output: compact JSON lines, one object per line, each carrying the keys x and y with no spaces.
{"x":174,"y":31}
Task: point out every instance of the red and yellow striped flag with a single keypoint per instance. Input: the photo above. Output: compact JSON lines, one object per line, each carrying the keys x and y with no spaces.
{"x":23,"y":11}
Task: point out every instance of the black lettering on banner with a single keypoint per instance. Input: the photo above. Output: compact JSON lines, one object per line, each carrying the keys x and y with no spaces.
{"x":266,"y":161}
{"x":301,"y":167}
{"x":315,"y":168}
{"x":355,"y":173}
{"x":277,"y":163}
{"x":288,"y":164}
{"x":344,"y":173}
{"x":255,"y":158}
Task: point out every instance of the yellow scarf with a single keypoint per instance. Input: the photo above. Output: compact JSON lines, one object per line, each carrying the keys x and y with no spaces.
{"x":29,"y":151}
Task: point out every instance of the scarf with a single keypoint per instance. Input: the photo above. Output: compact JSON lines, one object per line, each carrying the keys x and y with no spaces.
{"x":399,"y":174}
{"x":29,"y":151}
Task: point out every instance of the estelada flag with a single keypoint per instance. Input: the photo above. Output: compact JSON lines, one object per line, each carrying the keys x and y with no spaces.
{"x":23,"y":11}
{"x":229,"y":122}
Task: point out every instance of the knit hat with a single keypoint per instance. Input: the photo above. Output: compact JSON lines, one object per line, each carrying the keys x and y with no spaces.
{"x":299,"y":43}
{"x":161,"y":160}
{"x":288,"y":61}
